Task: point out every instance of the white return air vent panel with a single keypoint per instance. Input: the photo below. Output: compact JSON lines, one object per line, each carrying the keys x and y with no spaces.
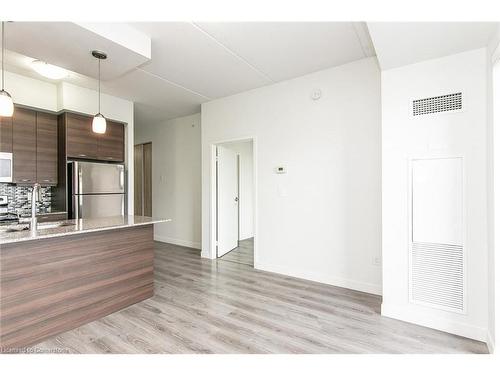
{"x":437,"y":104}
{"x":437,"y":258}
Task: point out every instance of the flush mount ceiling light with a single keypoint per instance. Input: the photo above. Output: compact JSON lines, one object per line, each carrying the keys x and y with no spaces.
{"x":48,"y":70}
{"x":99,"y":121}
{"x":6,"y":103}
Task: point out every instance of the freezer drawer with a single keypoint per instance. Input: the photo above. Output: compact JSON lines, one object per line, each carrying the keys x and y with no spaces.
{"x":98,"y":178}
{"x":102,"y":205}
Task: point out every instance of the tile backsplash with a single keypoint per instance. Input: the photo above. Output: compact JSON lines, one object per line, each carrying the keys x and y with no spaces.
{"x":19,"y":202}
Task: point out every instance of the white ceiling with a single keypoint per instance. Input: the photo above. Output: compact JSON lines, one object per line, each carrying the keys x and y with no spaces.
{"x":169,"y":68}
{"x":403,"y":43}
{"x":284,"y":50}
{"x":68,"y":45}
{"x":183,"y":54}
{"x":190,"y":63}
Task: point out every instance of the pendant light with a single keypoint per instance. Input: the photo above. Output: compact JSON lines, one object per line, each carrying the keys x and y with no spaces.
{"x":6,"y":103}
{"x":99,"y":121}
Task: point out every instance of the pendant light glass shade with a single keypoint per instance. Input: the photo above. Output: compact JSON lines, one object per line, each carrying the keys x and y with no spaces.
{"x":6,"y":104}
{"x":99,"y":124}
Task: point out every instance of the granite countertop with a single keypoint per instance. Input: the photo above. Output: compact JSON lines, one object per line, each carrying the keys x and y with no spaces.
{"x":72,"y":227}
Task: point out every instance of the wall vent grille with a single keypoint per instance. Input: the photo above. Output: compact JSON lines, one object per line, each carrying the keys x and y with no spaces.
{"x":437,"y":104}
{"x":437,"y":275}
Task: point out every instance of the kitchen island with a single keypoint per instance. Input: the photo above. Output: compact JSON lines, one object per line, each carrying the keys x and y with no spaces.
{"x":69,"y":273}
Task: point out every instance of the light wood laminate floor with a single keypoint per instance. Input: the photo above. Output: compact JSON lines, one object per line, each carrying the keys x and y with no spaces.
{"x":242,"y":254}
{"x":204,"y":306}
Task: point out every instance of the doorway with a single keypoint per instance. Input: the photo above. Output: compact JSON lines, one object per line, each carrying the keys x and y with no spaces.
{"x":143,"y":194}
{"x":235,"y":202}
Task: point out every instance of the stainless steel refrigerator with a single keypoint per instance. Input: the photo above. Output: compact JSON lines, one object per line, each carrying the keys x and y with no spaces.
{"x":96,"y":190}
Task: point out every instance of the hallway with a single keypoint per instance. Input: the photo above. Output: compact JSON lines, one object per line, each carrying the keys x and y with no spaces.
{"x":242,"y":254}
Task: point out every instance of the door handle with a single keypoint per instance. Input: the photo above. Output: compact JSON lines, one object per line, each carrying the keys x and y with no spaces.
{"x":236,"y":199}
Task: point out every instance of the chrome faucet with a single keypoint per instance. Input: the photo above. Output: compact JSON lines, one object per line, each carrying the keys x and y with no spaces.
{"x":34,"y":197}
{"x":33,"y":221}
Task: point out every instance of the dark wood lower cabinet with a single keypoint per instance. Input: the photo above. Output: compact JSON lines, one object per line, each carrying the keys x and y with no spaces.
{"x":53,"y":285}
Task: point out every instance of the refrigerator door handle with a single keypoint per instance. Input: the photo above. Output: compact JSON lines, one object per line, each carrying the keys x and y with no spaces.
{"x":75,"y":212}
{"x":122,"y":178}
{"x":78,"y":206}
{"x":76,"y":176}
{"x":79,"y":186}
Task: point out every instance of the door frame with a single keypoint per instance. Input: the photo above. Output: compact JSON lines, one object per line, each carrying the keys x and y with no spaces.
{"x":238,"y":181}
{"x":213,"y":195}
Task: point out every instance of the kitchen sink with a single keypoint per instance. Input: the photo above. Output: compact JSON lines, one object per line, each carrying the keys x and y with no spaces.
{"x":54,"y":224}
{"x":13,"y":228}
{"x":22,"y":227}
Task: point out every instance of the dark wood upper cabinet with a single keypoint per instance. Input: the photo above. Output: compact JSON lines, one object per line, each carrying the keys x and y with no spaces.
{"x":110,"y":145}
{"x":81,"y":142}
{"x":46,"y":148}
{"x":24,"y":146}
{"x":5,"y":134}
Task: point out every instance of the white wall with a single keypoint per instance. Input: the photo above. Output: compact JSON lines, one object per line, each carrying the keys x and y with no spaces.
{"x":64,"y":96}
{"x":321,"y":220}
{"x":494,"y":187}
{"x":32,"y":92}
{"x":454,"y":134}
{"x":245,"y":151}
{"x":494,"y":261}
{"x":176,"y":178}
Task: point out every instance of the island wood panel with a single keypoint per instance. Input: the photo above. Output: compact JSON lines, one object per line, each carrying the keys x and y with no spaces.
{"x":5,"y":134}
{"x":24,"y":146}
{"x":46,"y":148}
{"x":53,"y":285}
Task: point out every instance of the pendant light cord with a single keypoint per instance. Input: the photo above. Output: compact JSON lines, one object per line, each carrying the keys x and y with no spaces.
{"x":3,"y":47}
{"x":99,"y":111}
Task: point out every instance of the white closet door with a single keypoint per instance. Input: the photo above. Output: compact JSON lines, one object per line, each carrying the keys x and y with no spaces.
{"x":227,"y":200}
{"x":437,"y":262}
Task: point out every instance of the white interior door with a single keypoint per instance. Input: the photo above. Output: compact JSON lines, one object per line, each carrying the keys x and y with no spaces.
{"x":227,"y":200}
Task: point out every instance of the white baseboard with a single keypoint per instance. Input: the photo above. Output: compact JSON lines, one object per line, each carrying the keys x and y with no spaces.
{"x":325,"y":279}
{"x":206,"y":255}
{"x":245,"y":237}
{"x":176,"y":241}
{"x":408,"y":314}
{"x":490,"y":343}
